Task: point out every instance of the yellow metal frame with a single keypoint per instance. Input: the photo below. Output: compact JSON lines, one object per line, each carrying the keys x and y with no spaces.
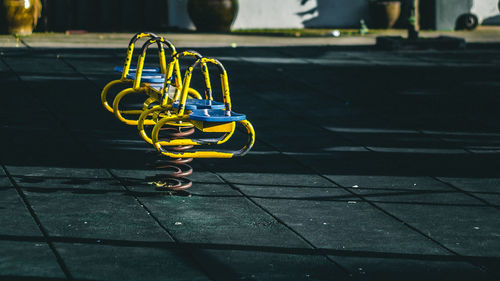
{"x":144,"y":88}
{"x":165,"y":108}
{"x":181,"y":117}
{"x":123,"y":79}
{"x":163,"y":113}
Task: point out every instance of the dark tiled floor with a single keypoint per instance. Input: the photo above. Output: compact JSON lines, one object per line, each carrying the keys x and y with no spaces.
{"x":368,"y":165}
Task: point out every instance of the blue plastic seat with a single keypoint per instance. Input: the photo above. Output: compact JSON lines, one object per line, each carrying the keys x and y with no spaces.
{"x":150,"y":74}
{"x":214,"y":115}
{"x":133,"y":69}
{"x":156,"y":78}
{"x":193,"y":104}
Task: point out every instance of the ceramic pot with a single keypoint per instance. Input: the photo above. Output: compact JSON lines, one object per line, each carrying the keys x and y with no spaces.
{"x":385,"y":13}
{"x":21,"y":16}
{"x":212,"y":15}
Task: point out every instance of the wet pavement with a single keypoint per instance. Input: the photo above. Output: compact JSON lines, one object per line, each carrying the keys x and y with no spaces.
{"x":368,"y":165}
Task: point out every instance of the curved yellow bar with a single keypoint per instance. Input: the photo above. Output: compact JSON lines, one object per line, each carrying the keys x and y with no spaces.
{"x":105,"y":90}
{"x":118,"y":113}
{"x":251,"y":138}
{"x":165,"y":119}
{"x":159,"y":145}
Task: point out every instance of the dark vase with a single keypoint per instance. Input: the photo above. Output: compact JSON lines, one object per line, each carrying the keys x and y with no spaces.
{"x":20,"y":16}
{"x":385,"y":13}
{"x":212,"y":15}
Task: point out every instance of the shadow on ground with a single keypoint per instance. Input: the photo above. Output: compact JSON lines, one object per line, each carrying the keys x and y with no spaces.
{"x":368,"y":164}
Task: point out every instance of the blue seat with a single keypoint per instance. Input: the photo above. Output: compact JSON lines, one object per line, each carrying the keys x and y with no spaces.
{"x":193,"y":104}
{"x":214,"y":115}
{"x":156,"y":78}
{"x":150,"y":74}
{"x":133,"y":69}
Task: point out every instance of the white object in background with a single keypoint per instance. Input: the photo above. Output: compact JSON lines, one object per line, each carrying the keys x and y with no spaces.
{"x":486,"y":10}
{"x":178,"y":15}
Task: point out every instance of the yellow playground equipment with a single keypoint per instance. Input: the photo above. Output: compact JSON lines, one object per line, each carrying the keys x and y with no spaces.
{"x":173,"y":111}
{"x":156,"y":75}
{"x":145,"y":80}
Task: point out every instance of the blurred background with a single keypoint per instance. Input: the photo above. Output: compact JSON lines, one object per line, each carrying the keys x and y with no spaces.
{"x":133,"y":15}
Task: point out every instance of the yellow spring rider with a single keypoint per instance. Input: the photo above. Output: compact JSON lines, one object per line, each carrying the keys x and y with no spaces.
{"x":170,"y":103}
{"x":155,"y":75}
{"x":144,"y":80}
{"x":175,"y":111}
{"x":204,"y":119}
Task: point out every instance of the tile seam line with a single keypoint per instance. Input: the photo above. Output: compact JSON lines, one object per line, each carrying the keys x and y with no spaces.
{"x":470,"y":194}
{"x":387,"y":213}
{"x":342,"y":136}
{"x":63,"y":126}
{"x":162,"y":226}
{"x":346,"y":189}
{"x":436,"y":178}
{"x":125,"y":187}
{"x":232,"y":186}
{"x":297,"y":117}
{"x":42,"y":229}
{"x":359,"y":196}
{"x":21,"y":194}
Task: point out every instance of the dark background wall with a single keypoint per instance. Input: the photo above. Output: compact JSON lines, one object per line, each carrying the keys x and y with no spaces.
{"x":103,"y":15}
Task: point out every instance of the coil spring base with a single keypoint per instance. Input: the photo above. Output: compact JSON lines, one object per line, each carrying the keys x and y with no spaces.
{"x":174,"y":170}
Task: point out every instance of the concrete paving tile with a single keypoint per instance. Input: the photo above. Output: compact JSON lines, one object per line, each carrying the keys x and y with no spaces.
{"x":389,"y":182}
{"x":286,"y":186}
{"x":349,"y":226}
{"x":234,"y":237}
{"x":60,"y":178}
{"x":28,"y":260}
{"x":295,"y":193}
{"x":215,"y":216}
{"x":38,"y":65}
{"x":141,"y":176}
{"x":493,"y":199}
{"x":476,"y":144}
{"x":441,"y":198}
{"x":259,"y":265}
{"x":96,"y":216}
{"x":486,"y":188}
{"x":277,"y":179}
{"x":264,"y":162}
{"x":483,"y":184}
{"x":467,"y":230}
{"x":220,"y":220}
{"x":95,"y":65}
{"x":492,"y":266}
{"x":404,"y":190}
{"x":356,"y":163}
{"x":403,"y":142}
{"x":401,"y":164}
{"x":416,"y":268}
{"x":4,"y":180}
{"x":108,"y":262}
{"x":15,"y":218}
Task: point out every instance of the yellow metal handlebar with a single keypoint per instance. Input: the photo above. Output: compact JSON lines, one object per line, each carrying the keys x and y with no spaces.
{"x":159,"y":145}
{"x":160,"y":41}
{"x":126,"y":68}
{"x":130,"y":51}
{"x":187,"y":81}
